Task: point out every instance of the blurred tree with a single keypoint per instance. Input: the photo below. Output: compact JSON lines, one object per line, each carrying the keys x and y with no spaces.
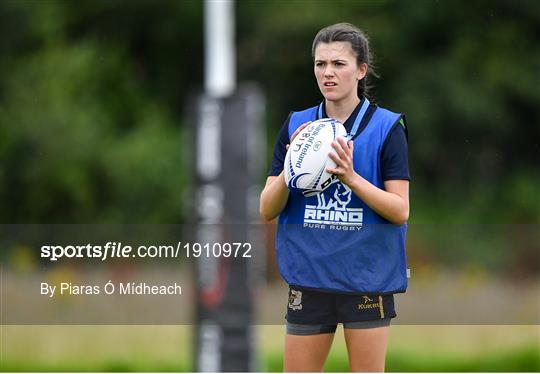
{"x":91,"y":110}
{"x":84,"y":143}
{"x":82,"y":140}
{"x":466,"y":75}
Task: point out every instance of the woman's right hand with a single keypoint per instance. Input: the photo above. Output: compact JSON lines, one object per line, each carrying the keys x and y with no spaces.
{"x":275,"y":193}
{"x":294,"y":134}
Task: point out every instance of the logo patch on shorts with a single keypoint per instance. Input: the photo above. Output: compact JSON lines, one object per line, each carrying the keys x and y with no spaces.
{"x":295,"y":300}
{"x":368,"y":304}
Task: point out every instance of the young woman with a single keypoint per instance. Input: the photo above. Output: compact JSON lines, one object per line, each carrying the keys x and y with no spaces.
{"x":343,"y":270}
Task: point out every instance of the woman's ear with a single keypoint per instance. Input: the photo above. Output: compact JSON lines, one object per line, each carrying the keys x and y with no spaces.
{"x":362,"y":71}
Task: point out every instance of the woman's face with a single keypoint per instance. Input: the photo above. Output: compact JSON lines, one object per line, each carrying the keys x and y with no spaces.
{"x":336,"y":70}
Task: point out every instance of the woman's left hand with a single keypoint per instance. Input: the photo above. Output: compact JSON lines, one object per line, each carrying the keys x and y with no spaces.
{"x":343,"y":157}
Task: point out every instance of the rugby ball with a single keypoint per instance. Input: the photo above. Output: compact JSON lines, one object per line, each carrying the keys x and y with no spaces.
{"x":307,"y":157}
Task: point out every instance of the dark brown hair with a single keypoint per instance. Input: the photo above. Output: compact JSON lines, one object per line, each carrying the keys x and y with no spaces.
{"x":345,"y":32}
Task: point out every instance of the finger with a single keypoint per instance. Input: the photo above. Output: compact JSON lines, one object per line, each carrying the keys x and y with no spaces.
{"x":343,"y":143}
{"x":301,"y":127}
{"x":297,"y":131}
{"x":340,"y":151}
{"x":336,"y":159}
{"x":304,"y":125}
{"x":334,"y":171}
{"x":351,"y":146}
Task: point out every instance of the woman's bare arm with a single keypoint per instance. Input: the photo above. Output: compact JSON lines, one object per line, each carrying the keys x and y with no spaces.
{"x":275,"y":193}
{"x":391,"y":203}
{"x":273,"y":197}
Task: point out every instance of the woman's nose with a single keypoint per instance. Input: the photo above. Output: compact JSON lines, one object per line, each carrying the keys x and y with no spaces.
{"x":328,"y":72}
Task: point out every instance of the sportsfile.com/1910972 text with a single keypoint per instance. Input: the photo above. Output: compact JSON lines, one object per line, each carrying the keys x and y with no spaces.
{"x":118,"y":250}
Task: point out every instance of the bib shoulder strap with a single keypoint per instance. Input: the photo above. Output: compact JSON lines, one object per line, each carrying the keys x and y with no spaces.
{"x":298,"y":118}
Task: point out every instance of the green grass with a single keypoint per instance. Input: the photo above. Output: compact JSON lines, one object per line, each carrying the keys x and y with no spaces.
{"x":527,"y":360}
{"x":169,"y":349}
{"x":522,"y":360}
{"x":112,"y":366}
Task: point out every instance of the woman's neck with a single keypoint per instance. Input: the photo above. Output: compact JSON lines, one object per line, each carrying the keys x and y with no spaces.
{"x":341,"y":110}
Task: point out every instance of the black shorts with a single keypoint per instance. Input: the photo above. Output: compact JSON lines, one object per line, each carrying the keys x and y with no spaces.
{"x":311,"y":312}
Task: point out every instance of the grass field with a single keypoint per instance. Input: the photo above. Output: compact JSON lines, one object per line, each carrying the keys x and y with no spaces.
{"x":169,"y":348}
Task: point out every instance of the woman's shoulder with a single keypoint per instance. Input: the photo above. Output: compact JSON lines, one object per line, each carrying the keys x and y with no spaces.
{"x":386,"y":111}
{"x":387,"y":115}
{"x":300,"y":116}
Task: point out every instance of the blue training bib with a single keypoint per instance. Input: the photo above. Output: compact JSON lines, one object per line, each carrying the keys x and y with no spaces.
{"x":334,"y":241}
